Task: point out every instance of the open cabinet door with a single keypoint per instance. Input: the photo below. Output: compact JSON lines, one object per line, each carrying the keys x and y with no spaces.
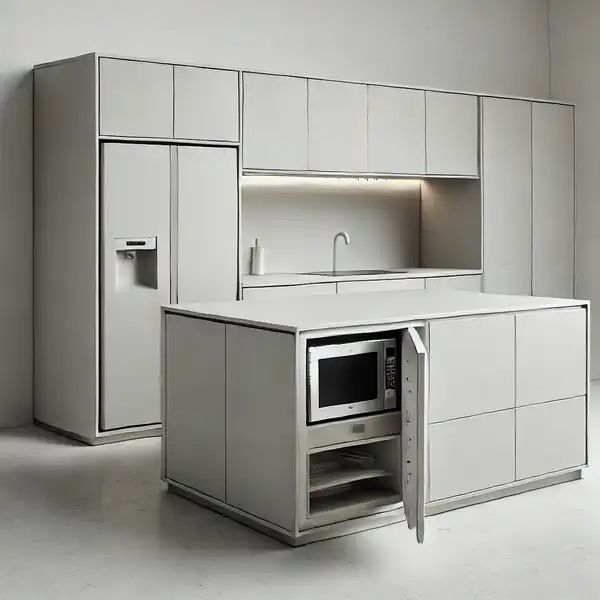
{"x":414,"y":430}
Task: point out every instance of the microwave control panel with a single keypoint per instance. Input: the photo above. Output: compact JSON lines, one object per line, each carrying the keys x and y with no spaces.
{"x":390,"y":368}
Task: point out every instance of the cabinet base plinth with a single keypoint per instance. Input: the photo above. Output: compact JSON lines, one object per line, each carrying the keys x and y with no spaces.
{"x":519,"y":487}
{"x":108,"y":437}
{"x":305,"y":537}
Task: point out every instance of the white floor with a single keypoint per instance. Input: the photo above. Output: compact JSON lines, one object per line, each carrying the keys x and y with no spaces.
{"x":96,"y":523}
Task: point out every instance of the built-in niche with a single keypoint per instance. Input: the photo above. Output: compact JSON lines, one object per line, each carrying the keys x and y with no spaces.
{"x":451,"y":224}
{"x":392,"y":223}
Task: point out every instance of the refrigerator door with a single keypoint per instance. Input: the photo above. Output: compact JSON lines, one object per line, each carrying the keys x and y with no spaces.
{"x":207,"y":224}
{"x":135,"y":280}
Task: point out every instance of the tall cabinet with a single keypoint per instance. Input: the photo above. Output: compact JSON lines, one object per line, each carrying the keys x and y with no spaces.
{"x":136,"y":206}
{"x":528,"y":188}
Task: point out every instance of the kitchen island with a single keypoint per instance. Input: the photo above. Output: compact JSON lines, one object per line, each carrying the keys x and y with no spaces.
{"x":492,"y":401}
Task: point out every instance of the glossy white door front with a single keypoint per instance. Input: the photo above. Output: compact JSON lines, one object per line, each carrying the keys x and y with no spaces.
{"x":206,"y":104}
{"x":337,"y":126}
{"x":136,"y":98}
{"x":452,"y":134}
{"x":506,"y":196}
{"x":553,"y":260}
{"x":136,"y":186}
{"x":275,"y":122}
{"x":207,"y":224}
{"x":396,"y":130}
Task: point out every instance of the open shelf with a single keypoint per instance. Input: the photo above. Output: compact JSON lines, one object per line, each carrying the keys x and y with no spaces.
{"x":354,"y":497}
{"x":354,"y":477}
{"x":343,"y":476}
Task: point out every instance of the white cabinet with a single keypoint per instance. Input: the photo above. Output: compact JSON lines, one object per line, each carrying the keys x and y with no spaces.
{"x":551,"y":355}
{"x":194,"y":435}
{"x":551,"y":437}
{"x":337,"y":126}
{"x":452,"y":134}
{"x":472,"y":366}
{"x":396,"y":130}
{"x":467,"y":283}
{"x":136,"y":98}
{"x":506,"y":196}
{"x":206,"y":104}
{"x":154,"y":100}
{"x":207,"y":224}
{"x":380,"y":285}
{"x":553,"y":200}
{"x":261,"y":441}
{"x":288,"y":291}
{"x":275,"y":122}
{"x":467,"y":455}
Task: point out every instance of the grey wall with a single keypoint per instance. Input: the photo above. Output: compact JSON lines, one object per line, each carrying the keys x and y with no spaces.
{"x":480,"y":45}
{"x":575,"y":77}
{"x":295,"y":220}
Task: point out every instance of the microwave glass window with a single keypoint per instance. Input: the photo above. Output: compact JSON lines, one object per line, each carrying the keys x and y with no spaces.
{"x":348,"y":379}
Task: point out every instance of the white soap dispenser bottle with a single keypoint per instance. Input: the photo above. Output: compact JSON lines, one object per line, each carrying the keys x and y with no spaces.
{"x":257,"y":259}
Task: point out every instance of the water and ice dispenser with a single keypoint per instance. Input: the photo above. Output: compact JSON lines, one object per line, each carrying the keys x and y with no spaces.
{"x":136,"y":263}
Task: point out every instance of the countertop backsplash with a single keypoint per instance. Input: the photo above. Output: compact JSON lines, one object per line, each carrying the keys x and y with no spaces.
{"x":295,"y":221}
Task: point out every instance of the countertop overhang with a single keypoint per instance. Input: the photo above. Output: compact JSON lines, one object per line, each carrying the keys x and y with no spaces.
{"x":311,"y":313}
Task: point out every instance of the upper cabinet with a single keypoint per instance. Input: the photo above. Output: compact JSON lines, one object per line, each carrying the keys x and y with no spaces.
{"x":206,"y":104}
{"x":136,"y":98}
{"x":154,"y":100}
{"x":452,"y":134}
{"x":553,"y":172}
{"x":337,"y":126}
{"x":294,"y":124}
{"x":275,"y":122}
{"x":396,"y":130}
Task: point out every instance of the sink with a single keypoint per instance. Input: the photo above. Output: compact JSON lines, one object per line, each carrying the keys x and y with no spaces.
{"x":339,"y":273}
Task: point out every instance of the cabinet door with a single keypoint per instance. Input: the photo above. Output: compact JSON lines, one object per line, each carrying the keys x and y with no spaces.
{"x":136,"y":98}
{"x":506,"y":196}
{"x":467,"y":283}
{"x":472,"y":368}
{"x":381,"y":285}
{"x":288,"y":291}
{"x":194,"y":434}
{"x":275,"y":122}
{"x":396,"y":130}
{"x":553,"y":200}
{"x":262,"y":428}
{"x":207,"y":224}
{"x":551,"y":437}
{"x":551,"y":355}
{"x":468,"y":455}
{"x":337,"y":126}
{"x":414,"y":430}
{"x":206,"y":104}
{"x":452,"y":134}
{"x":136,"y":185}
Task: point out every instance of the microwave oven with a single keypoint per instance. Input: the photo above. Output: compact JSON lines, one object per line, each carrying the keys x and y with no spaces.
{"x":351,"y":379}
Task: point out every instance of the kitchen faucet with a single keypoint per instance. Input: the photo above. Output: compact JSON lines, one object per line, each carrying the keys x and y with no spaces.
{"x":341,"y":234}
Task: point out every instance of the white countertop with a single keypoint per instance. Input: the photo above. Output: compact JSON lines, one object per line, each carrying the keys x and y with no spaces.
{"x":376,"y":308}
{"x":276,"y":279}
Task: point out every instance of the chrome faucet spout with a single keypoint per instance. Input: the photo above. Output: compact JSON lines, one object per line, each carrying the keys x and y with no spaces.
{"x":346,"y":238}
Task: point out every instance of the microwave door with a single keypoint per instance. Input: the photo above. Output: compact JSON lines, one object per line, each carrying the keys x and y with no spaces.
{"x":414,"y":430}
